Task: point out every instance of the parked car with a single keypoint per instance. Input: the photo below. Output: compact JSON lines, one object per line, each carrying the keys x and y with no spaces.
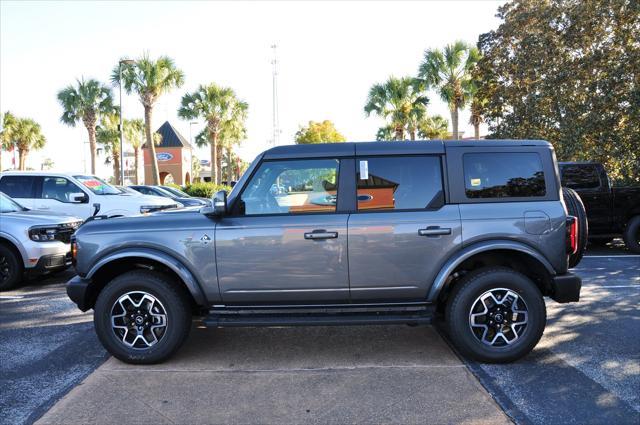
{"x":32,"y":243}
{"x":128,"y":191}
{"x":74,"y":194}
{"x":182,"y":194}
{"x":160,"y":191}
{"x":364,"y":233}
{"x":611,"y":211}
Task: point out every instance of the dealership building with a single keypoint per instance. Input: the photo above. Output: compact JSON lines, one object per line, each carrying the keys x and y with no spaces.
{"x":173,"y":153}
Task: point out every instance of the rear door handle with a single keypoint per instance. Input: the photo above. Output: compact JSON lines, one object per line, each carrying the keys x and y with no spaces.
{"x":320,"y":234}
{"x":434,"y":231}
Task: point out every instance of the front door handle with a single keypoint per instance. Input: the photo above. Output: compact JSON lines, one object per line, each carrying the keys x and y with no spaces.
{"x":44,"y":207}
{"x":434,"y":231}
{"x":320,"y":234}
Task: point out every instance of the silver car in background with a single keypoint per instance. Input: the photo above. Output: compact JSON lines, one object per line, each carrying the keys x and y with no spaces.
{"x":32,"y":243}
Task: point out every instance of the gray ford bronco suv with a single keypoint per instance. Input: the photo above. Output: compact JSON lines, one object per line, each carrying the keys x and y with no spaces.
{"x":474,"y":232}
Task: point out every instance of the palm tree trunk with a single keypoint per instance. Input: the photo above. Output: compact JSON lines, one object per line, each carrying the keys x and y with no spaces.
{"x":399,"y":133}
{"x":91,"y":129}
{"x":155,"y":175}
{"x":476,"y":130}
{"x":22,"y":155}
{"x":454,"y":123}
{"x":229,"y":166}
{"x":116,"y":167}
{"x":219,"y":163}
{"x":136,"y":163}
{"x":213,"y":137}
{"x":413,"y":134}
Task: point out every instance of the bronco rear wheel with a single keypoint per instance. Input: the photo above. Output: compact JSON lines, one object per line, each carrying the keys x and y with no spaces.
{"x":495,"y":315}
{"x":142,"y":317}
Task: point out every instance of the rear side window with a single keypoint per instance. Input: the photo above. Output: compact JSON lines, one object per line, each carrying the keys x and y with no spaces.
{"x":18,"y":186}
{"x":580,"y":176}
{"x":503,"y":175}
{"x":399,"y":183}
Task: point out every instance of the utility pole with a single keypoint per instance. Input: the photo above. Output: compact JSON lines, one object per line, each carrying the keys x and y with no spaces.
{"x":276,"y":118}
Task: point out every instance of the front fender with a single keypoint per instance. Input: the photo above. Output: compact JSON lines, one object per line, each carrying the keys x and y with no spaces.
{"x":477,"y":248}
{"x":177,"y":266}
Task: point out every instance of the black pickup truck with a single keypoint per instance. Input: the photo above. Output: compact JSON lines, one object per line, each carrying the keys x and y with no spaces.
{"x":611,"y":211}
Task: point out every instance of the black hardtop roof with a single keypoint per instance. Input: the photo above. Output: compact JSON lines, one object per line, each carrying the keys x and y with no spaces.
{"x":383,"y":148}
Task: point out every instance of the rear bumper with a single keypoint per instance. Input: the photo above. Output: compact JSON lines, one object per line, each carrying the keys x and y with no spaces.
{"x":81,"y":292}
{"x":566,"y":288}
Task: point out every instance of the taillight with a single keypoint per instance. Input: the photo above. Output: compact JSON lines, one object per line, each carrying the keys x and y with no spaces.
{"x":74,"y":250}
{"x":572,"y":234}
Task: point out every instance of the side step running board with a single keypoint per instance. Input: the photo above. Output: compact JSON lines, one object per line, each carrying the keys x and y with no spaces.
{"x":226,"y":320}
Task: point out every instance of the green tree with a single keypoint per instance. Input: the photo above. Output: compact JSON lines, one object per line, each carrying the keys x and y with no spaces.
{"x":27,"y":136}
{"x":149,"y":79}
{"x":567,"y":71}
{"x":9,"y":122}
{"x":220,"y":108}
{"x":448,"y":71}
{"x":134,"y":133}
{"x":108,"y":135}
{"x":232,"y":134}
{"x":385,"y":133}
{"x":87,"y":101}
{"x":318,"y":132}
{"x":435,"y":127}
{"x":398,"y":100}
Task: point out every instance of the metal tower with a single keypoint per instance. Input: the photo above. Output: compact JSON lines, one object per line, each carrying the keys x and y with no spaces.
{"x":276,"y":118}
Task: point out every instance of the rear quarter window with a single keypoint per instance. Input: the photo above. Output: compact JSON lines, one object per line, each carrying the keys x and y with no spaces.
{"x":18,"y":187}
{"x":503,"y":175}
{"x":580,"y":176}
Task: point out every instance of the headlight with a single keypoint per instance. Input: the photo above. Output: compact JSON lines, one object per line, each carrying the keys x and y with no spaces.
{"x":54,"y":232}
{"x":43,"y":234}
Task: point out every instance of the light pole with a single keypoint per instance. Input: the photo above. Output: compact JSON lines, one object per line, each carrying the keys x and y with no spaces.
{"x":128,"y":62}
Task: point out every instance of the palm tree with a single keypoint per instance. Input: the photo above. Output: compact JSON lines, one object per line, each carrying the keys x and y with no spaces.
{"x":6,"y":135}
{"x":385,"y":133}
{"x":149,"y":79}
{"x":27,"y":136}
{"x":434,"y":127}
{"x":233,"y":132}
{"x":87,"y":101}
{"x":477,"y":114}
{"x":108,"y":135}
{"x":399,"y":100}
{"x":219,"y":107}
{"x":449,"y":72}
{"x":134,"y":133}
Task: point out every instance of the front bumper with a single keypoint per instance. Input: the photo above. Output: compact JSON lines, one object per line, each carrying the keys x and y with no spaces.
{"x":81,"y":292}
{"x":49,"y":263}
{"x":566,"y":288}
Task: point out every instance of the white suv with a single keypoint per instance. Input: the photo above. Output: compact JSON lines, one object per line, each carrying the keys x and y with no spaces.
{"x":75,"y":194}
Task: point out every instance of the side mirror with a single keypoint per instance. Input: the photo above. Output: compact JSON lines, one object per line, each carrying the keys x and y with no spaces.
{"x":79,"y":198}
{"x":219,"y":203}
{"x":96,"y":209}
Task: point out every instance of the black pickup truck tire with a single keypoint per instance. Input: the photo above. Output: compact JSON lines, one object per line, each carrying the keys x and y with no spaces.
{"x":10,"y":268}
{"x":575,"y":207}
{"x":490,"y":301}
{"x":632,"y":235}
{"x":142,"y":317}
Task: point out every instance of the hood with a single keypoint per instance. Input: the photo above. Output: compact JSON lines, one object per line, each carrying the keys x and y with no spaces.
{"x":163,"y":220}
{"x":38,"y":217}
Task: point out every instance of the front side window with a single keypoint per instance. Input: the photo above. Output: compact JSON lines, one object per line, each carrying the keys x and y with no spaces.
{"x":580,"y":177}
{"x":60,"y":189}
{"x":292,"y":187}
{"x":18,"y":187}
{"x":97,"y":185}
{"x":399,"y":183}
{"x":503,"y":175}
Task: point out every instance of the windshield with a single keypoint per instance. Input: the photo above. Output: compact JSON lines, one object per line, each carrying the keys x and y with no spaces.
{"x":8,"y":205}
{"x":97,"y":185}
{"x":176,"y":192}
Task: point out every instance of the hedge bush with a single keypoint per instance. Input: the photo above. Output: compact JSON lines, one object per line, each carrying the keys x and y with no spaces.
{"x":204,"y":189}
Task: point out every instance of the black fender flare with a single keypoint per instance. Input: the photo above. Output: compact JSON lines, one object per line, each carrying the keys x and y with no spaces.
{"x":477,"y":248}
{"x":162,"y":257}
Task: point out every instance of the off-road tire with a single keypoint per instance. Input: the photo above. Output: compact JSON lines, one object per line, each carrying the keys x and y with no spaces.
{"x":631,"y":235}
{"x":466,"y":292}
{"x":575,"y":207}
{"x":12,"y":268}
{"x":174,"y":300}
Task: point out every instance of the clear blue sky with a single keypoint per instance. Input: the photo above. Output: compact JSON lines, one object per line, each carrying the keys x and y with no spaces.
{"x":330,"y":53}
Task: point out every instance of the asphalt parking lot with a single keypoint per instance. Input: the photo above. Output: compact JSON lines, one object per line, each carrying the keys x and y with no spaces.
{"x":586,"y":369}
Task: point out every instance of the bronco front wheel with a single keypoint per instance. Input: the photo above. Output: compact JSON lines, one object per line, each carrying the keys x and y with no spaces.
{"x":495,"y":315}
{"x":142,"y":317}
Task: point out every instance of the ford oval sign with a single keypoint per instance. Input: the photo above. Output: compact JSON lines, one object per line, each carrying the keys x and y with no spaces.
{"x":164,"y":156}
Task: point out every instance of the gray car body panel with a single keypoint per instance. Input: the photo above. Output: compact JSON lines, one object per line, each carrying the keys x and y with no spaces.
{"x":377,"y":257}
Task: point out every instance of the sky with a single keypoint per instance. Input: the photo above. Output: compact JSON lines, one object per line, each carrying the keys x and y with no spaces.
{"x":329,"y":54}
